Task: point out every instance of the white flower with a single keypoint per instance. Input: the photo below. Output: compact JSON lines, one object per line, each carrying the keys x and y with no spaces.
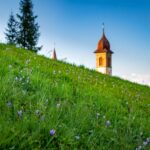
{"x":148,"y":140}
{"x":10,"y":66}
{"x":16,"y":78}
{"x":97,"y":115}
{"x":104,"y":117}
{"x":77,"y":137}
{"x":37,"y":112}
{"x":58,"y":105}
{"x":20,"y":113}
{"x":139,"y":148}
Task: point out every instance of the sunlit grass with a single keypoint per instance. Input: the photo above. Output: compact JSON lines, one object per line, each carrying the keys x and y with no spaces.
{"x":47,"y":104}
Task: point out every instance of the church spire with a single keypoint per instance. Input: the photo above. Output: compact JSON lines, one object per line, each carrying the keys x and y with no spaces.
{"x":54,"y":56}
{"x":103,"y":28}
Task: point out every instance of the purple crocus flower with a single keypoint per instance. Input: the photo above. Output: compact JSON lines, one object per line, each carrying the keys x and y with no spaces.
{"x":9,"y":104}
{"x":52,"y":132}
{"x":108,"y":123}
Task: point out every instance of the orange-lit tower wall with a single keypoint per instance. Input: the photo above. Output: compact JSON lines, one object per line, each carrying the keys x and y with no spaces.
{"x":104,"y":56}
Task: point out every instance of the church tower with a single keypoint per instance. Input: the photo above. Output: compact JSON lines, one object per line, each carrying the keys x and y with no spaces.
{"x":103,"y":56}
{"x":54,"y":56}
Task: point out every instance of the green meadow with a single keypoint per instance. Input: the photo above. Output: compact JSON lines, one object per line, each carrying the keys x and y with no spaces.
{"x":54,"y":105}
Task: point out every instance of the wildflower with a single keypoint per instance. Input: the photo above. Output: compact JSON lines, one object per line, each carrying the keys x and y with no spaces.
{"x":148,"y":140}
{"x":104,"y":117}
{"x":46,"y":101}
{"x":141,"y":133}
{"x":9,"y":104}
{"x":16,"y":78}
{"x":139,"y":148}
{"x":20,"y":113}
{"x":52,"y":132}
{"x":37,"y":112}
{"x":90,"y":131}
{"x":54,"y":72}
{"x":10,"y":66}
{"x":21,"y":79}
{"x":58,"y":105}
{"x":97,"y":115}
{"x":77,"y":137}
{"x":107,"y":123}
{"x":145,"y":143}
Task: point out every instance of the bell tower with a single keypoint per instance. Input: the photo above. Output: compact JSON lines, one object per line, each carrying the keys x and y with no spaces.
{"x":103,"y":55}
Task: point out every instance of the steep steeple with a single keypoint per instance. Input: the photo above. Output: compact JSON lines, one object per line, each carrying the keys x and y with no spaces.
{"x":54,"y":56}
{"x":103,"y":55}
{"x":103,"y":44}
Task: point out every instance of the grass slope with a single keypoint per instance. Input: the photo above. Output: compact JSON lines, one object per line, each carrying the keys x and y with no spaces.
{"x":87,"y":110}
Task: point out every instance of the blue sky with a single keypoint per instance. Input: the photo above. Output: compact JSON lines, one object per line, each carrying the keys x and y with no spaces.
{"x":75,"y":26}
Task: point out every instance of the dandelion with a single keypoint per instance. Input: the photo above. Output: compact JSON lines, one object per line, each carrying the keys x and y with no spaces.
{"x":107,"y":123}
{"x":77,"y":137}
{"x":20,"y":113}
{"x":52,"y":132}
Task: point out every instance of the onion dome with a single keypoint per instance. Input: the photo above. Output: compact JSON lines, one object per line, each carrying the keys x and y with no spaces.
{"x":103,"y":45}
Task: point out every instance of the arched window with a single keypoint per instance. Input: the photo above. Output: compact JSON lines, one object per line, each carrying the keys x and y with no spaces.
{"x":100,"y":61}
{"x":109,"y":62}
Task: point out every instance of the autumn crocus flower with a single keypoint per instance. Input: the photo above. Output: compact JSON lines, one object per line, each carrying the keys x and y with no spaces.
{"x":107,"y":123}
{"x":20,"y":113}
{"x":52,"y":132}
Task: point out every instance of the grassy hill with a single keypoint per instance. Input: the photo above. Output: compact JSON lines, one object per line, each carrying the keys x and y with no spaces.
{"x":46,"y":104}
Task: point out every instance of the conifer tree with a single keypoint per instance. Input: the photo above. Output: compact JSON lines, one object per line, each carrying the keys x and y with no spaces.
{"x":28,"y":29}
{"x":11,"y":31}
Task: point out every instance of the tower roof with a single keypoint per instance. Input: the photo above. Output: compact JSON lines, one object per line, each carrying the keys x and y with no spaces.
{"x":103,"y":45}
{"x":54,"y":56}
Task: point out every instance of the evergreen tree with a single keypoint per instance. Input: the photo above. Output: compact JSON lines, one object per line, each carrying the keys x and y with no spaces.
{"x":28,"y":28}
{"x":11,"y":31}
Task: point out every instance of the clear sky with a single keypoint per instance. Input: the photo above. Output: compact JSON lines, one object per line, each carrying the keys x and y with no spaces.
{"x":75,"y":26}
